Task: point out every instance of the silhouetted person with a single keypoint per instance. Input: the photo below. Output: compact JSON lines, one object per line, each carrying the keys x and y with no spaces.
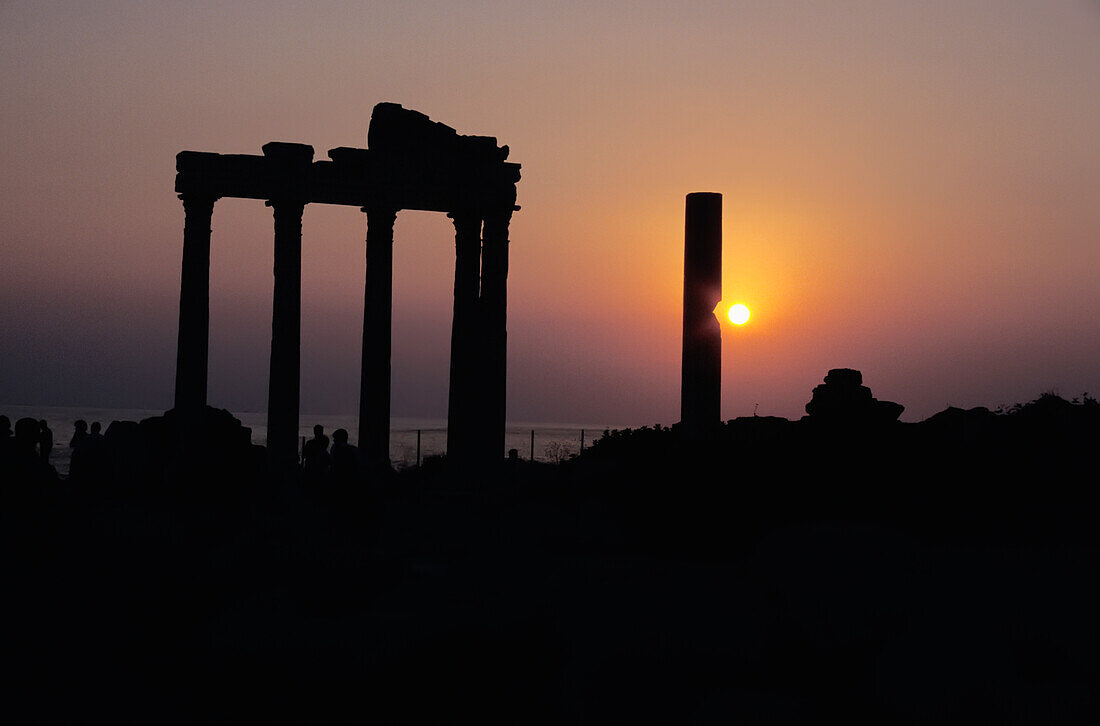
{"x":345,"y":459}
{"x":24,"y":461}
{"x":26,"y":438}
{"x":513,"y":462}
{"x":79,"y":454}
{"x":80,"y":432}
{"x":315,"y":456}
{"x":89,"y":458}
{"x":45,"y":441}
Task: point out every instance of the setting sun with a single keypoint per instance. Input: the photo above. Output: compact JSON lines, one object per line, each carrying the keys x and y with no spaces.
{"x":739,"y":314}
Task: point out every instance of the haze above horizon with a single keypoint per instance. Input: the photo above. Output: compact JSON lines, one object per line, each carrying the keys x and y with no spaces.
{"x":911,"y":190}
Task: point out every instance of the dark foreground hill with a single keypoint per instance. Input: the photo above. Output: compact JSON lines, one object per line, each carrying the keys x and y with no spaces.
{"x":771,"y":571}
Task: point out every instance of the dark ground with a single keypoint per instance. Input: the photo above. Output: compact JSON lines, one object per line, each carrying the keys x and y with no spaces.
{"x":772,"y":572}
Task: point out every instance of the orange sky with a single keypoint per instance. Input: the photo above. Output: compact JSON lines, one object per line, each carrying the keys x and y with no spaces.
{"x":911,"y":189}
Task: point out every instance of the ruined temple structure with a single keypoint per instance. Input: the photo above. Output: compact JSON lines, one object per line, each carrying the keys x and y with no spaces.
{"x":410,"y":162}
{"x":701,"y":371}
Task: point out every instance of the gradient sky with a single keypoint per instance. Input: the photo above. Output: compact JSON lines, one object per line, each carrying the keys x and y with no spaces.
{"x":910,"y":188}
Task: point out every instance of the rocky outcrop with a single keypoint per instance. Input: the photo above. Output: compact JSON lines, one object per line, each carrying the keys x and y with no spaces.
{"x":844,"y":398}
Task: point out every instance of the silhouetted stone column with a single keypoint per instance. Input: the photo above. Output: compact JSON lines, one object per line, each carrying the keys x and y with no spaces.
{"x":194,"y":331}
{"x":494,"y":305}
{"x":701,"y":385}
{"x":374,"y":385}
{"x":286,"y":349}
{"x":462,"y":404}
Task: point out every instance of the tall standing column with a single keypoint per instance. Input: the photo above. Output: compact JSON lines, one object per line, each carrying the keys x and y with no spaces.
{"x":462,"y":404}
{"x":701,"y":382}
{"x":286,"y":349}
{"x":194,"y":330}
{"x":494,"y":304}
{"x":374,"y":385}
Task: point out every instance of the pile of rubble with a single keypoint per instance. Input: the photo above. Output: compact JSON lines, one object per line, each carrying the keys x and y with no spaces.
{"x":844,"y":398}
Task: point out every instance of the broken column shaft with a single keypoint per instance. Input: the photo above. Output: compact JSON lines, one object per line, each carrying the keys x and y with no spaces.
{"x":701,"y":383}
{"x":286,"y":348}
{"x":374,"y":387}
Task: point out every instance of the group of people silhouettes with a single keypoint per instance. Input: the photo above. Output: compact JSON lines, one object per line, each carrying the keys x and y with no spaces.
{"x":339,"y":464}
{"x":25,"y":450}
{"x":87,"y":450}
{"x":29,"y":436}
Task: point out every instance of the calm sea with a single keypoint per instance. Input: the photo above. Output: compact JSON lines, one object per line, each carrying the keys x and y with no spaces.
{"x":552,"y":441}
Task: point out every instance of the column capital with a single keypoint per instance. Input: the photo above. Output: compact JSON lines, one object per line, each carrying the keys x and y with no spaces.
{"x":467,"y":225}
{"x":284,"y":203}
{"x":496,"y":223}
{"x":464,"y":214}
{"x":191,"y":198}
{"x":503,"y":214}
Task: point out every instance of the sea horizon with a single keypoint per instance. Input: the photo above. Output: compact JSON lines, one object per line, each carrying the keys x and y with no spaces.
{"x":553,"y":440}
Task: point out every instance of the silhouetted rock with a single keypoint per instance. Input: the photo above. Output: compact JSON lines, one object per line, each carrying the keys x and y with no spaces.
{"x":126,"y":453}
{"x":222,"y":454}
{"x":755,"y":430}
{"x":961,"y":426}
{"x":844,"y":377}
{"x":844,"y":398}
